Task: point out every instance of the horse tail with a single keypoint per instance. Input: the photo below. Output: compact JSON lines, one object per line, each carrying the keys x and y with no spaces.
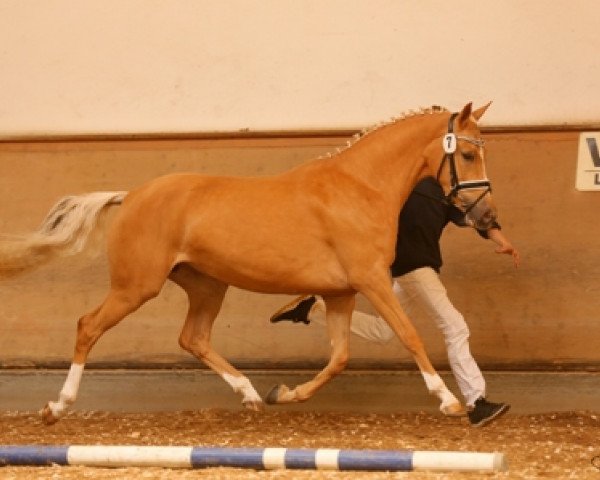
{"x":63,"y":232}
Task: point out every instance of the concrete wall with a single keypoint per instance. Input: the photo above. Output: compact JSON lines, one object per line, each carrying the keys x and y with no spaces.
{"x":543,"y":314}
{"x":153,"y":66}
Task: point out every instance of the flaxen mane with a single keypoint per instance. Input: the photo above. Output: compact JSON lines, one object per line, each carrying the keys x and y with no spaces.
{"x":403,"y":116}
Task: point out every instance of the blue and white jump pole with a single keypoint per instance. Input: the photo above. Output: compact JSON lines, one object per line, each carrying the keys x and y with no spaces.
{"x":256,"y":458}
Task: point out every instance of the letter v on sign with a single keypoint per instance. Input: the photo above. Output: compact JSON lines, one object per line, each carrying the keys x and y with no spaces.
{"x":593,"y":148}
{"x":588,"y":162}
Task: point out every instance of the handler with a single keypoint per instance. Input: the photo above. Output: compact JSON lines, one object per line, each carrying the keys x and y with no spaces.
{"x":416,"y":283}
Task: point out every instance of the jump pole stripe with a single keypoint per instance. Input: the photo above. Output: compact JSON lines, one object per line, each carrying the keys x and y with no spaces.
{"x":256,"y":458}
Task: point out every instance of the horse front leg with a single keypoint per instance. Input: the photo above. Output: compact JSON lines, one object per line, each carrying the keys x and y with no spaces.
{"x":385,"y":302}
{"x":338,"y":314}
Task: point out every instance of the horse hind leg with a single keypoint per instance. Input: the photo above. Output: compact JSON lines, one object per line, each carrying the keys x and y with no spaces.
{"x":117,"y":305}
{"x":205,"y":296}
{"x":338,"y":314}
{"x":139,"y":262}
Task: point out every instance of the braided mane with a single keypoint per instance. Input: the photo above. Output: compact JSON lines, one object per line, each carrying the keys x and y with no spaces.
{"x":368,"y":130}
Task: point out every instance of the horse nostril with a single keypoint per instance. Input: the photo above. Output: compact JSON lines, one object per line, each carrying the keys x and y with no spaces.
{"x":489,"y":216}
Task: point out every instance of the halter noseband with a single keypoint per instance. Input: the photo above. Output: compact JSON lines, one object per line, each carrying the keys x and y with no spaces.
{"x":449,"y":144}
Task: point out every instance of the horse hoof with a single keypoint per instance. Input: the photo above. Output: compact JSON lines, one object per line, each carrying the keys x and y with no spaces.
{"x":453,"y":410}
{"x":47,"y":416}
{"x":278,"y":394}
{"x":273,"y":396}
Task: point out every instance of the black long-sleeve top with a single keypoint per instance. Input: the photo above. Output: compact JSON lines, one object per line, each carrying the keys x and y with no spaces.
{"x":422,"y":221}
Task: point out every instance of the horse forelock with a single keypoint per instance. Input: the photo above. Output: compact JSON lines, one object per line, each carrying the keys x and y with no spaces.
{"x":409,"y":114}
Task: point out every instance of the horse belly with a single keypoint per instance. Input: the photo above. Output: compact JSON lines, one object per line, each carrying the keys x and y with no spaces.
{"x":266,"y":254}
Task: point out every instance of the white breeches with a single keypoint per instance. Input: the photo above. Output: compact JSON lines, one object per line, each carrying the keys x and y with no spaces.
{"x":421,"y":290}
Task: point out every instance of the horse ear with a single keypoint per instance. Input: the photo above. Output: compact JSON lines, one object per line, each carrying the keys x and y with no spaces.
{"x":465,"y":114}
{"x":480,"y":111}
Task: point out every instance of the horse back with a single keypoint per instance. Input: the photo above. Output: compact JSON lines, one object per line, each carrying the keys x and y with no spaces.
{"x":278,"y":233}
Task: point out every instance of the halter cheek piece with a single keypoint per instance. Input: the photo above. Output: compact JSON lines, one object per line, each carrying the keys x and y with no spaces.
{"x":449,"y":143}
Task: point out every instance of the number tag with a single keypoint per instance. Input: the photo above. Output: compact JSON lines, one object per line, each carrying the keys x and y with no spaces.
{"x":449,"y":143}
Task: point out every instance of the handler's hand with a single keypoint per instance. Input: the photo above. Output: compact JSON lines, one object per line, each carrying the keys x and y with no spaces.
{"x":508,"y":249}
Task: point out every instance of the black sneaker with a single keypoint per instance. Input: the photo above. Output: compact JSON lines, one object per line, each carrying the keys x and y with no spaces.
{"x":296,"y":311}
{"x":484,"y":412}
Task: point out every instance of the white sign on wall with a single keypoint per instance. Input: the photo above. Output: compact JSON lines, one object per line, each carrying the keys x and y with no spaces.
{"x":588,"y":162}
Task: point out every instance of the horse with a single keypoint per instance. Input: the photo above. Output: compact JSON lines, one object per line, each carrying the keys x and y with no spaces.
{"x":327,"y":227}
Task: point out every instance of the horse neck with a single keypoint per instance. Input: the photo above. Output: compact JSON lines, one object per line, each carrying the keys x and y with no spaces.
{"x":390,"y":159}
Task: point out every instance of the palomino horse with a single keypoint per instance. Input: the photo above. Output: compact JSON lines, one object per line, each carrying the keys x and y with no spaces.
{"x":326,"y":227}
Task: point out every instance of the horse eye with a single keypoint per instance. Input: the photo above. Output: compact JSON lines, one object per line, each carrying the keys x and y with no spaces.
{"x":469,"y":156}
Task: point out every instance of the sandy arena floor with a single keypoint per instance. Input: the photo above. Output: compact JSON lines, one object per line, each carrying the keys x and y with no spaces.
{"x":553,"y":446}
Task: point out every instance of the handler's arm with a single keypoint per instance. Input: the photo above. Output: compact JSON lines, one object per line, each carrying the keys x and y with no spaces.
{"x":504,"y":245}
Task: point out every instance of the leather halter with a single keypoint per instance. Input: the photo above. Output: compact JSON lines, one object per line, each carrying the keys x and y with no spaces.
{"x":449,"y":143}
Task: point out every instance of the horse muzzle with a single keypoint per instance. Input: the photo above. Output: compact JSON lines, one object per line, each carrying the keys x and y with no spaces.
{"x":482,"y":214}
